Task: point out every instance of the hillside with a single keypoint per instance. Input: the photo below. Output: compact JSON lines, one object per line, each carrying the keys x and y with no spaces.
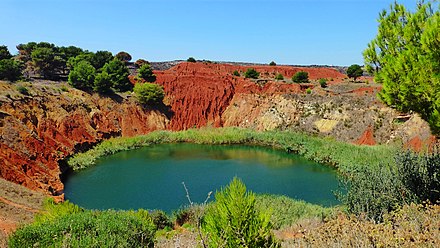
{"x":54,"y":120}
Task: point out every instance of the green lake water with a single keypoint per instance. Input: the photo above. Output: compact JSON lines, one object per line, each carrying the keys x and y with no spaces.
{"x":151,"y":177}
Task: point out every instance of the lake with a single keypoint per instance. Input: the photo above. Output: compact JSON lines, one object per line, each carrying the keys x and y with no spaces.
{"x":151,"y":177}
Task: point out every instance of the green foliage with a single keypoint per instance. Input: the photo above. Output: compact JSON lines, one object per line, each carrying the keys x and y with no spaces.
{"x":45,"y":62}
{"x":251,"y":73}
{"x":405,"y":57}
{"x":379,"y":190}
{"x":118,"y":74}
{"x":4,"y":53}
{"x":420,"y":174}
{"x":22,"y":89}
{"x":87,"y":229}
{"x":54,"y":210}
{"x":286,"y":211}
{"x":146,"y":73}
{"x":309,"y":91}
{"x":149,"y":93}
{"x":272,"y":63}
{"x":301,"y":77}
{"x":191,"y":59}
{"x":123,"y":56}
{"x":234,"y":221}
{"x":236,"y":73}
{"x":100,"y":58}
{"x":354,"y":71}
{"x":160,"y":219}
{"x":102,"y":83}
{"x":10,"y":70}
{"x":323,"y":82}
{"x":86,"y":56}
{"x":141,"y":62}
{"x":82,"y":76}
{"x":279,"y":76}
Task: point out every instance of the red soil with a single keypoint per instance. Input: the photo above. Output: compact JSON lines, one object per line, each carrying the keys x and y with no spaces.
{"x":367,"y":138}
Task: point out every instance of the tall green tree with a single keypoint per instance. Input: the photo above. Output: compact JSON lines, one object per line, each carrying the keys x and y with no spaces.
{"x":354,"y":71}
{"x":102,"y":83}
{"x":118,"y":74}
{"x":4,"y":53}
{"x":146,"y":73}
{"x":405,"y":58}
{"x":82,"y":76}
{"x":10,"y":69}
{"x":100,"y":58}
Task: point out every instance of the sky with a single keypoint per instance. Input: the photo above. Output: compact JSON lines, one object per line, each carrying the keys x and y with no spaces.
{"x":296,"y":32}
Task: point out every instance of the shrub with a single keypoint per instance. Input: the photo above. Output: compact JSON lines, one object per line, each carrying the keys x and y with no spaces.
{"x":87,"y":229}
{"x":191,"y":59}
{"x":309,"y":91}
{"x":234,"y":221}
{"x":10,"y":70}
{"x":323,"y":82}
{"x":23,"y":90}
{"x":272,"y":63}
{"x":251,"y":73}
{"x":236,"y":73}
{"x":301,"y":77}
{"x":146,"y":73}
{"x":82,"y":75}
{"x":118,"y":74}
{"x":279,"y":76}
{"x":100,"y":58}
{"x":149,"y":93}
{"x":160,"y":219}
{"x":102,"y":83}
{"x":354,"y":71}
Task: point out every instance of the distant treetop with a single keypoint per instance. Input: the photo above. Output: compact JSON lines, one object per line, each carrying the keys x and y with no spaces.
{"x":123,"y":56}
{"x":191,"y":59}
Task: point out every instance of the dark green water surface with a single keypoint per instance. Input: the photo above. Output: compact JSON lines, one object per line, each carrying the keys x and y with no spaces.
{"x":151,"y":177}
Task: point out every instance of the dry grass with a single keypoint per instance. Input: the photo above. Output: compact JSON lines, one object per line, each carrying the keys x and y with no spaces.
{"x":18,"y":206}
{"x":411,"y":226}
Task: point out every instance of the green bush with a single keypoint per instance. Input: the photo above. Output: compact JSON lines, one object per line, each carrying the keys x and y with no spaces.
{"x":272,"y":63}
{"x":251,"y":73}
{"x":149,"y":93}
{"x":323,"y":82}
{"x":118,"y":74}
{"x":160,"y":219}
{"x":23,"y":90}
{"x":146,"y":73}
{"x":309,"y":91}
{"x":354,"y":71}
{"x":10,"y":70}
{"x":279,"y":76}
{"x":87,"y":229}
{"x":102,"y":83}
{"x":236,"y":73}
{"x":286,"y":211}
{"x":420,"y":174}
{"x":191,"y":59}
{"x":4,"y":53}
{"x":301,"y":77}
{"x":82,"y":76}
{"x":234,"y":221}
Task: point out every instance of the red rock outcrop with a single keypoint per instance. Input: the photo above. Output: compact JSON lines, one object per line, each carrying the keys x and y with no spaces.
{"x":38,"y":131}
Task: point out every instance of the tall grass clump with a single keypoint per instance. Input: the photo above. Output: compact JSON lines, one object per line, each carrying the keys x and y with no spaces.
{"x":286,"y":211}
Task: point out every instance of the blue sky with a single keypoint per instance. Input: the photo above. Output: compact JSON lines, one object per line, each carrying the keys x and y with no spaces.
{"x":286,"y":31}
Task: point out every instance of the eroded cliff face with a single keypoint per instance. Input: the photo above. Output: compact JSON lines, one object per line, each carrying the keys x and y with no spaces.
{"x":50,"y":124}
{"x":54,"y":121}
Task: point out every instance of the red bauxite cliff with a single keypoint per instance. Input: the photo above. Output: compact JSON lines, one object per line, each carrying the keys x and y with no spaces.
{"x":199,"y":93}
{"x":53,"y":121}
